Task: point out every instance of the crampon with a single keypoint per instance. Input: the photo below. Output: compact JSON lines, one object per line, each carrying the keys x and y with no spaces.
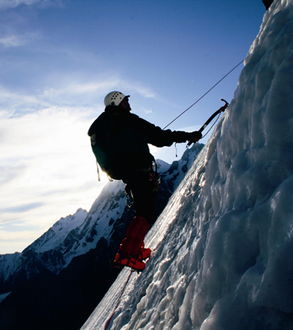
{"x":135,"y":262}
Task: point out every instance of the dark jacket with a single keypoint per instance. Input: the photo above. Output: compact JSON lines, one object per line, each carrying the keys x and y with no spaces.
{"x":120,"y":141}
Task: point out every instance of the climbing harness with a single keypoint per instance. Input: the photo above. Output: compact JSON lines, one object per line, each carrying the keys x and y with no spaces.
{"x":203,"y":95}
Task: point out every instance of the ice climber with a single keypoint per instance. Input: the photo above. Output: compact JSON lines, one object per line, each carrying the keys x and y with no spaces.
{"x":119,"y":140}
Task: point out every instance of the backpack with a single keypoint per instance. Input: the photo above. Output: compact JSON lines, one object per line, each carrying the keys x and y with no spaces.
{"x":104,"y":160}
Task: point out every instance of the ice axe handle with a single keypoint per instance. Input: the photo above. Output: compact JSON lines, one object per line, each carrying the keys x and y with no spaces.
{"x":222,"y":109}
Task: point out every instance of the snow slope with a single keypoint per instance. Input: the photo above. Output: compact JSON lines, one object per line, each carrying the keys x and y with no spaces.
{"x":56,"y":234}
{"x":223,"y":246}
{"x":8,"y":264}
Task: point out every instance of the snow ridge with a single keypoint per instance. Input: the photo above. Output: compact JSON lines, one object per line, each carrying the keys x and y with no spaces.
{"x":55,"y":235}
{"x":9,"y":264}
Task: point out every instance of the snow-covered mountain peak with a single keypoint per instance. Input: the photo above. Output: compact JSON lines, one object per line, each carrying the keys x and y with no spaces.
{"x":56,"y":234}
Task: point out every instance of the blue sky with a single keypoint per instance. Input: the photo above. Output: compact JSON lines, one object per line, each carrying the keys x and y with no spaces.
{"x":58,"y":60}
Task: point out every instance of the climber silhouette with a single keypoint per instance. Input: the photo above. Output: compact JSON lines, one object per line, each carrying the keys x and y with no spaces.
{"x":119,"y":140}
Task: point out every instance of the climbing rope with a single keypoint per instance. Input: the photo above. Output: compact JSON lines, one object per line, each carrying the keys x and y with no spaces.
{"x":203,"y":95}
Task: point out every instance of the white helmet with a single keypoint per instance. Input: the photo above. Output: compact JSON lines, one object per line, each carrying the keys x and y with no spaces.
{"x":114,"y":98}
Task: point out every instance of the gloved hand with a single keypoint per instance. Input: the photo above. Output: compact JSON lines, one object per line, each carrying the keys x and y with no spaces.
{"x":194,"y":137}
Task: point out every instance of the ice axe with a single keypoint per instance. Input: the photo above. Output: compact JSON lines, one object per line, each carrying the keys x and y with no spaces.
{"x":222,"y":109}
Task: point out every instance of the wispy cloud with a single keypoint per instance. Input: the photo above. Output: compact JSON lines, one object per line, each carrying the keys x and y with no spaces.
{"x":71,"y":92}
{"x":5,"y":4}
{"x":42,"y":153}
{"x":21,"y":208}
{"x":14,"y":241}
{"x":17,"y":103}
{"x":100,"y":87}
{"x":11,"y":41}
{"x":10,"y":171}
{"x":147,"y":111}
{"x":140,"y":89}
{"x":17,"y":40}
